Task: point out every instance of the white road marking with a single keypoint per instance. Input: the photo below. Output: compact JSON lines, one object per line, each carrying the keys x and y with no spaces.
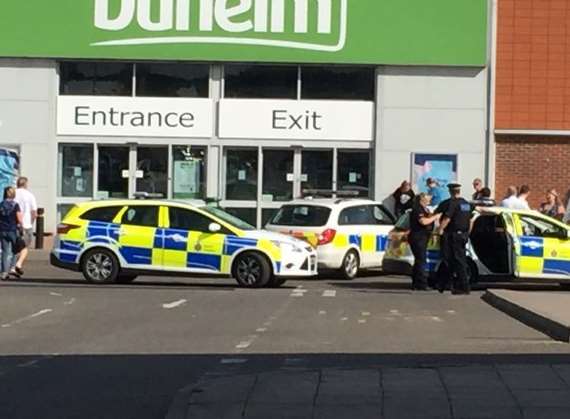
{"x":29,"y":363}
{"x":31,"y":316}
{"x":343,"y":319}
{"x":56,"y":294}
{"x":395,"y":312}
{"x":297,"y":294}
{"x":233,"y":361}
{"x":365,"y":313}
{"x":69,"y":302}
{"x":267,"y":324}
{"x":450,"y":311}
{"x":361,"y":321}
{"x":243,"y":345}
{"x":436,"y":319}
{"x":174,"y":304}
{"x":322,"y":312}
{"x":329,"y":293}
{"x":261,"y":329}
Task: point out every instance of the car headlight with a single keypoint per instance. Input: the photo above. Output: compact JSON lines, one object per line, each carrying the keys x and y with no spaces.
{"x":288,"y":247}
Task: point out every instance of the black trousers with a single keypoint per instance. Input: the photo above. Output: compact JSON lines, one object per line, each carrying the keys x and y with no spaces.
{"x":418,"y":243}
{"x":453,"y":248}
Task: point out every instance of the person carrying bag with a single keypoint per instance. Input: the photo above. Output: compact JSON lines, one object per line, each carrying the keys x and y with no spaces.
{"x":11,"y":218}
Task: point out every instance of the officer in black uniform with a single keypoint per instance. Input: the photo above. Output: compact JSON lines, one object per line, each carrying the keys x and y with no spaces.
{"x":454,"y":228}
{"x":421,"y":227}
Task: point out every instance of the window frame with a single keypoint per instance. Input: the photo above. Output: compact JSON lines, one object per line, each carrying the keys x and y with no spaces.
{"x":129,"y":207}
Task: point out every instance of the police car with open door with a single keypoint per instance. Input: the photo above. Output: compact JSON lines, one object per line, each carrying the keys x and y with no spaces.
{"x":349,"y":234}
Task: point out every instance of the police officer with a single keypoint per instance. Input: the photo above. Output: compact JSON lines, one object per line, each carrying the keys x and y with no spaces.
{"x":454,"y":229}
{"x":421,"y":227}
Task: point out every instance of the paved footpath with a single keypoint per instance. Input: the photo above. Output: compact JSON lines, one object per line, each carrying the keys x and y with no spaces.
{"x":458,"y":392}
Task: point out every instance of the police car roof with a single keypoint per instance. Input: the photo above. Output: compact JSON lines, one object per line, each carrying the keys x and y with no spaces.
{"x":126,"y":202}
{"x":347,"y":202}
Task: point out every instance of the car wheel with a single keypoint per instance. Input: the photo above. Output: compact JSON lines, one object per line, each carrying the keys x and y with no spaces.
{"x":252,"y":270}
{"x":126,"y":279}
{"x":350,"y":265}
{"x":277,"y":281}
{"x":100,"y":266}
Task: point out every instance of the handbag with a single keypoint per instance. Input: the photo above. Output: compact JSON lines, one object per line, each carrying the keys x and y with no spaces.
{"x":19,"y":244}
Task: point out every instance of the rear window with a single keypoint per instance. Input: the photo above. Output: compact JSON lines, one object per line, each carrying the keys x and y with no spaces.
{"x":301,"y":215}
{"x":404,"y":222}
{"x":103,"y":214}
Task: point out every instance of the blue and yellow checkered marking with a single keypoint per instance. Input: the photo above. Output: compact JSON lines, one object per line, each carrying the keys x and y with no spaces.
{"x":534,"y":260}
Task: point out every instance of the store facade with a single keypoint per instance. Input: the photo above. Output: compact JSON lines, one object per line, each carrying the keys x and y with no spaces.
{"x":244,"y":102}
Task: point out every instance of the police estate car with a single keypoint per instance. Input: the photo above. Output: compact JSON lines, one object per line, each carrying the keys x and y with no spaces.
{"x":503,"y":243}
{"x":349,"y":234}
{"x":114,"y":241}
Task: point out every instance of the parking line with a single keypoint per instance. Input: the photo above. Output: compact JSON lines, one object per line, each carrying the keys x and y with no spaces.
{"x":329,"y":293}
{"x":31,"y":316}
{"x":174,"y":304}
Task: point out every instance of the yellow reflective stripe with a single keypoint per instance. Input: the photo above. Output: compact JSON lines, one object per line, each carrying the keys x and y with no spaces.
{"x":530,"y":265}
{"x":119,"y":215}
{"x":226,"y":264}
{"x":175,"y":258}
{"x":137,"y":236}
{"x":77,"y":234}
{"x":271,"y":249}
{"x":211,"y":243}
{"x":340,"y":240}
{"x":368,"y":243}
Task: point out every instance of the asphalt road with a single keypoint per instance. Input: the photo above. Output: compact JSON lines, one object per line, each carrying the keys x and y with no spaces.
{"x":69,"y":349}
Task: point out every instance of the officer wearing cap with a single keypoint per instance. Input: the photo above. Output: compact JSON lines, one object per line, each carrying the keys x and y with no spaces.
{"x":454,"y":229}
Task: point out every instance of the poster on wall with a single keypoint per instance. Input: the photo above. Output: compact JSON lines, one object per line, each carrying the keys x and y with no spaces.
{"x":186,"y":178}
{"x":442,"y":168}
{"x":9,"y":168}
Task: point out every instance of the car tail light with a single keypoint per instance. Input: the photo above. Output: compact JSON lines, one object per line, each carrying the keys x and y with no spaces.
{"x":326,"y":237}
{"x":64,"y":228}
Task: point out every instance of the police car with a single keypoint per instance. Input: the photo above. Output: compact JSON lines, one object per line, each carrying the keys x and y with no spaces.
{"x":504,"y":243}
{"x":114,"y":241}
{"x":349,"y":234}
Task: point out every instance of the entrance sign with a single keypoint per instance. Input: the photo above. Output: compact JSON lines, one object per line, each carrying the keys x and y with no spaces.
{"x":296,"y":120}
{"x":411,"y":32}
{"x":126,"y":116}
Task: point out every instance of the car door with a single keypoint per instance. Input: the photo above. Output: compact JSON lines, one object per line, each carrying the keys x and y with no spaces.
{"x":542,"y":248}
{"x":189,"y":245}
{"x":139,"y":226}
{"x":357,"y":223}
{"x":383,"y":225}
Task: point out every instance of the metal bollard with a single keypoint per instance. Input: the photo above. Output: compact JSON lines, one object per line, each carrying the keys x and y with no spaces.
{"x":40,"y":228}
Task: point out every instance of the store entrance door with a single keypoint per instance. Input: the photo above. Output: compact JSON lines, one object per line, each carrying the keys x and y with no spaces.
{"x":124,"y":170}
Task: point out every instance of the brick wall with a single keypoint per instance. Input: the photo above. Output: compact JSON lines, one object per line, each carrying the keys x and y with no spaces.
{"x":533,"y":65}
{"x":540,"y":162}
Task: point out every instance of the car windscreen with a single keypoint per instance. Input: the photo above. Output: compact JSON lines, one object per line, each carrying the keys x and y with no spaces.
{"x":228,"y":218}
{"x":302,"y":216}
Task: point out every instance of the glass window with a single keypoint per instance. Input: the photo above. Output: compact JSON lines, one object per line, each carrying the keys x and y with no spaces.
{"x":112,"y":162}
{"x":96,"y":78}
{"x":317,"y":169}
{"x":267,"y":215}
{"x":183,"y":219}
{"x":302,"y":215}
{"x":249,"y":215}
{"x":340,"y":83}
{"x":381,"y":216}
{"x":353,"y":172}
{"x":538,"y":227}
{"x":277,"y":165}
{"x":189,"y":172}
{"x":152,"y":164}
{"x":241,"y":174}
{"x":104,"y":214}
{"x":63,"y":210}
{"x":146,"y":216}
{"x":360,"y":215}
{"x":173,"y":80}
{"x":77,"y":170}
{"x":260,"y":81}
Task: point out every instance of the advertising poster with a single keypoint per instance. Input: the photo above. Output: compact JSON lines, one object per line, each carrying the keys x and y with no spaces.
{"x":9,"y":168}
{"x":186,"y":178}
{"x":440,"y":167}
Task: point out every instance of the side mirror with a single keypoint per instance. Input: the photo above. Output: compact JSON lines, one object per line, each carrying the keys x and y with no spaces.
{"x":214,"y":227}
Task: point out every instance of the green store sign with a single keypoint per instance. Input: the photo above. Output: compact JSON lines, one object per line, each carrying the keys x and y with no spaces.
{"x":407,"y":32}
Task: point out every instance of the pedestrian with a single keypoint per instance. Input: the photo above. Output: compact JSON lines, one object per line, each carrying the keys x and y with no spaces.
{"x":511,"y":198}
{"x":478,"y":187}
{"x":11,"y":218}
{"x":524,"y":192}
{"x":404,"y":197}
{"x":29,"y":207}
{"x":454,"y":230}
{"x":434,"y":190}
{"x":421,"y":227}
{"x":553,"y":206}
{"x":566,"y":218}
{"x":485,"y":199}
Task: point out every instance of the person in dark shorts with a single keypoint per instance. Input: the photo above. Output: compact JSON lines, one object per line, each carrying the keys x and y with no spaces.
{"x":11,"y":219}
{"x":454,"y":229}
{"x":421,"y":226}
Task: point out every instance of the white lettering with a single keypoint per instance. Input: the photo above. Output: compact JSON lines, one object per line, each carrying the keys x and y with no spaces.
{"x":206,"y":15}
{"x":125,"y":17}
{"x":166,"y":15}
{"x":224,"y":14}
{"x":183,"y":15}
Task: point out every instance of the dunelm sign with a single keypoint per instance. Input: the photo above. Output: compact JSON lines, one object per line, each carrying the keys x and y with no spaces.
{"x":404,"y":32}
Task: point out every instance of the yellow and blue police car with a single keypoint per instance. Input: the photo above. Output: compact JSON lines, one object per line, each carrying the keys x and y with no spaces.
{"x":114,"y":241}
{"x":349,"y":234}
{"x":504,"y":243}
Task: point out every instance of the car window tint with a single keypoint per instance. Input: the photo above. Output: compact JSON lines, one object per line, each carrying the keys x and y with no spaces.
{"x":301,"y":215}
{"x":360,"y":215}
{"x":103,"y":214}
{"x":380,"y":216}
{"x":183,"y":219}
{"x":146,"y":216}
{"x":539,"y":227}
{"x":404,"y":222}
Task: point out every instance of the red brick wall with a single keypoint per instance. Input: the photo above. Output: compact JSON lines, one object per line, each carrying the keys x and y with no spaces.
{"x":533,"y":65}
{"x":540,"y":162}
